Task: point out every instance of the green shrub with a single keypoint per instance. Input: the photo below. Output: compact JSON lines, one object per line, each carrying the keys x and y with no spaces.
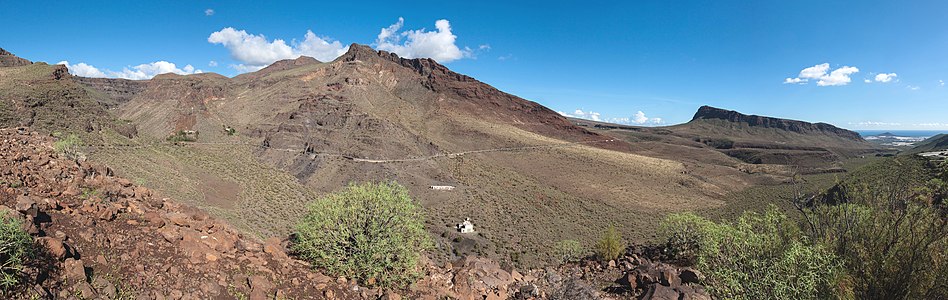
{"x":367,"y":231}
{"x":888,"y":229}
{"x":15,"y":250}
{"x":610,"y":245}
{"x":183,"y":136}
{"x":568,"y":250}
{"x":757,"y":257}
{"x":68,"y":146}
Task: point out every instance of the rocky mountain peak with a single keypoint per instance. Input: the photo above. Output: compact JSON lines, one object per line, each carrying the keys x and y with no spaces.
{"x":7,"y":59}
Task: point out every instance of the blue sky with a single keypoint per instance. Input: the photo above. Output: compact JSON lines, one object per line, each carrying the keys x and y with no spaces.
{"x":632,"y":62}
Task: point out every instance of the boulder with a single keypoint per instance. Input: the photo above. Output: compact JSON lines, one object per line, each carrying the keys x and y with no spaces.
{"x":74,"y":270}
{"x":26,"y":205}
{"x":661,"y":292}
{"x":669,"y":278}
{"x":54,"y":246}
{"x":689,"y":275}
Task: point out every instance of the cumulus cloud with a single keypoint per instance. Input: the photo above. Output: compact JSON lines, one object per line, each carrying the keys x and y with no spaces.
{"x":208,"y":12}
{"x":438,"y":44}
{"x":839,"y":76}
{"x":212,"y":63}
{"x":914,"y":87}
{"x":579,"y":113}
{"x":941,"y":82}
{"x":795,"y":80}
{"x":83,"y":69}
{"x":639,"y":118}
{"x":139,"y":72}
{"x":255,"y":51}
{"x":885,"y":77}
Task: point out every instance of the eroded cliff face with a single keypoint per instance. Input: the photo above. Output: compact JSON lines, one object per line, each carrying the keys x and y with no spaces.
{"x":708,"y":112}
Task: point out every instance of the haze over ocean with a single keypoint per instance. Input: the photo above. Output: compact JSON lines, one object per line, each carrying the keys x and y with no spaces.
{"x":908,"y":133}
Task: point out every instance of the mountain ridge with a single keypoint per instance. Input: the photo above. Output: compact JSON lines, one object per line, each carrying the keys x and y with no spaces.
{"x":708,"y":112}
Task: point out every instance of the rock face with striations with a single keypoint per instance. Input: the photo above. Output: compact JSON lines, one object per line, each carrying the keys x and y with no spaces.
{"x":708,"y":112}
{"x":7,"y":59}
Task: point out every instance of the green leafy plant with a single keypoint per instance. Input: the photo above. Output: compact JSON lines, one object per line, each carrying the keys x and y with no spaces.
{"x":183,"y":136}
{"x":757,"y":257}
{"x":368,"y":231}
{"x":15,"y":250}
{"x":568,"y":250}
{"x":68,"y":146}
{"x":887,"y":224}
{"x":610,"y":245}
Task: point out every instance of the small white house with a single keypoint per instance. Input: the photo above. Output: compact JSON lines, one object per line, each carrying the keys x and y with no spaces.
{"x":466,"y":226}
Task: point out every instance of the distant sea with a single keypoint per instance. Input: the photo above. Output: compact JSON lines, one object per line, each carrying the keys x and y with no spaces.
{"x":907,"y":133}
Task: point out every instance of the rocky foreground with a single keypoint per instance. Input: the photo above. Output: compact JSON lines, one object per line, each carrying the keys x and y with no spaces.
{"x":103,"y":237}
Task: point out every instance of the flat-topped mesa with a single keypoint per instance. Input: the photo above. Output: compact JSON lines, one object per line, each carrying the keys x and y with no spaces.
{"x":708,"y":112}
{"x":7,"y":59}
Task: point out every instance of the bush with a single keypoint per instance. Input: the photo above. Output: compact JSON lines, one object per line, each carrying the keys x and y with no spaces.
{"x":367,"y":231}
{"x":15,"y":250}
{"x":758,"y":257}
{"x":568,"y":250}
{"x":891,"y":235}
{"x":68,"y":146}
{"x":183,"y":136}
{"x":610,"y":245}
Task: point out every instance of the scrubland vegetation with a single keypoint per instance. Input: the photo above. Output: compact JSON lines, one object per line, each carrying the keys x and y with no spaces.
{"x":882,"y":233}
{"x":371,"y":232}
{"x":16,"y":247}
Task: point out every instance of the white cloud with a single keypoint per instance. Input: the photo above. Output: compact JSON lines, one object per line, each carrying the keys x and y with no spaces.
{"x":795,"y":80}
{"x":321,"y":48}
{"x":638,"y":118}
{"x":815,"y":72}
{"x":139,"y":72}
{"x":83,"y":69}
{"x":885,"y":77}
{"x":867,"y":81}
{"x":208,"y":12}
{"x":212,"y":63}
{"x":579,"y":113}
{"x":505,"y":57}
{"x":147,"y":71}
{"x":839,"y":76}
{"x":256,"y":52}
{"x":484,"y":47}
{"x":438,"y":45}
{"x":941,"y":82}
{"x":914,"y":87}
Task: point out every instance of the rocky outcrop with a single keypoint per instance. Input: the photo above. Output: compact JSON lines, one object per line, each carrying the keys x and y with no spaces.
{"x":7,"y":59}
{"x":118,"y":91}
{"x":101,"y":236}
{"x":708,"y":112}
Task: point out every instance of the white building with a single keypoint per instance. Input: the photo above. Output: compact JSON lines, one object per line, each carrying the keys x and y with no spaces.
{"x":466,"y":226}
